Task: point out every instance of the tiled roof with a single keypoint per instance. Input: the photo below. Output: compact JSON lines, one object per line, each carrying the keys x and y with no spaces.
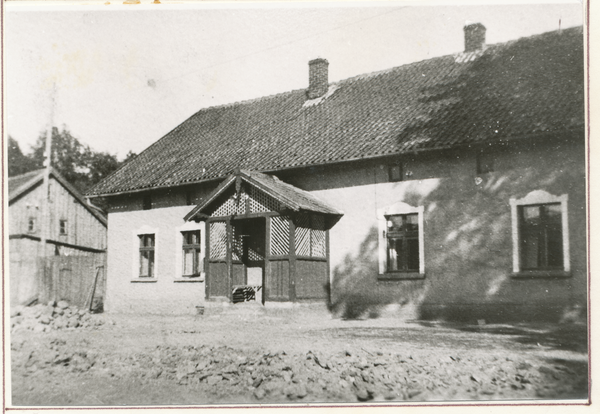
{"x":527,"y":87}
{"x":291,"y":197}
{"x":21,"y":184}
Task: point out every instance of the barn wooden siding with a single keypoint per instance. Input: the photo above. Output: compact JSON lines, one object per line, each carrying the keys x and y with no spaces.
{"x":83,"y":228}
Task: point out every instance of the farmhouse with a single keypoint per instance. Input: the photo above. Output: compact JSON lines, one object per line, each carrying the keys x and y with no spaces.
{"x":455,"y":184}
{"x":75,"y":228}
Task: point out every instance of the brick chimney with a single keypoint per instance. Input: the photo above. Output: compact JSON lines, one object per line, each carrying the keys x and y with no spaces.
{"x":318,"y":78}
{"x":474,"y":36}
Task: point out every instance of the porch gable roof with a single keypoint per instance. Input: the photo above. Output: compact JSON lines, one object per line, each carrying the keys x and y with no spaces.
{"x":289,"y":196}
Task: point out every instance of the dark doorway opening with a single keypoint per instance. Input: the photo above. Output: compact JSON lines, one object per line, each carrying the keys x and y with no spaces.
{"x":248,"y":253}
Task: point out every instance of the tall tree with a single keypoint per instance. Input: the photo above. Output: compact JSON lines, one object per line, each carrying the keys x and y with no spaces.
{"x":78,"y":163}
{"x":18,"y":163}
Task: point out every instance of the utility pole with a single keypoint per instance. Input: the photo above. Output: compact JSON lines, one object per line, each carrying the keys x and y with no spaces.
{"x":45,"y":232}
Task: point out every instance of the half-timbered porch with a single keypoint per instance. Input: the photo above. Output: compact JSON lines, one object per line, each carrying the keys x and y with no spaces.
{"x":266,"y":240}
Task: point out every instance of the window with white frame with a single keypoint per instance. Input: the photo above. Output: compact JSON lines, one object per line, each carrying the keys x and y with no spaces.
{"x":540,"y":233}
{"x":145,"y":254}
{"x":191,"y":253}
{"x":401,"y":241}
{"x":147,"y":245}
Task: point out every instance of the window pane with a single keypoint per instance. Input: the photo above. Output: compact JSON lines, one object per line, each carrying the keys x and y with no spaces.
{"x":151,"y":264}
{"x":555,"y":246}
{"x":553,"y":212}
{"x":145,"y":263}
{"x":412,"y":222}
{"x":530,"y":250}
{"x":191,"y":237}
{"x":395,"y":223}
{"x":413,"y":254}
{"x":394,"y":253}
{"x":188,"y":262}
{"x":531,"y":214}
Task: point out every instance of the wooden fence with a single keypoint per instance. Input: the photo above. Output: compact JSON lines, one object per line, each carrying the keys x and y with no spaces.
{"x":75,"y":279}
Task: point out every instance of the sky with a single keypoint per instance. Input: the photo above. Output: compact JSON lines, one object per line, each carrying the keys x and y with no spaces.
{"x":120,"y":77}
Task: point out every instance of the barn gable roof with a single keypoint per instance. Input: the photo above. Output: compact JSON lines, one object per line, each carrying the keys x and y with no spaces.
{"x":528,"y":87}
{"x":21,"y":184}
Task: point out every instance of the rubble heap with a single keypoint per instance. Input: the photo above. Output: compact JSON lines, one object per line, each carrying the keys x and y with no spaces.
{"x":52,"y":316}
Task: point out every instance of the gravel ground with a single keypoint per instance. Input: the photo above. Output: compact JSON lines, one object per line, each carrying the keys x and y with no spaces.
{"x":251,"y":355}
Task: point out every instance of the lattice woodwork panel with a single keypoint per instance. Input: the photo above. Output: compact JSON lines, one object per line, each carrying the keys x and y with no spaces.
{"x":317,"y":239}
{"x":225,"y":209}
{"x":254,"y":255}
{"x":303,"y":235}
{"x":241,"y":205}
{"x":260,"y":202}
{"x":218,"y":240}
{"x":280,"y":236}
{"x":232,"y":206}
{"x":318,"y":243}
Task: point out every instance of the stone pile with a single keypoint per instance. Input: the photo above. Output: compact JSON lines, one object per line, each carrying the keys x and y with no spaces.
{"x":52,"y":316}
{"x":55,"y":354}
{"x":347,"y":376}
{"x":225,"y":374}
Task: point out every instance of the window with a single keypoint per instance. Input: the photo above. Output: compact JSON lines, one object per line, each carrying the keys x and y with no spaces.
{"x":402,"y":243}
{"x":395,"y":172}
{"x":31,"y":225}
{"x":63,"y":227}
{"x":146,"y":255}
{"x":485,"y":162}
{"x":191,"y":253}
{"x":540,"y":235}
{"x":147,"y":202}
{"x":189,"y":197}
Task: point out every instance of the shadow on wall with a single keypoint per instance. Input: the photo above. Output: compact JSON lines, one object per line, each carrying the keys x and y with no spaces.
{"x":356,"y":292}
{"x":468,"y":258}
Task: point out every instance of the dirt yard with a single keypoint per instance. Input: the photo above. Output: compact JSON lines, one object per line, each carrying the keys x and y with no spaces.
{"x":249,"y":355}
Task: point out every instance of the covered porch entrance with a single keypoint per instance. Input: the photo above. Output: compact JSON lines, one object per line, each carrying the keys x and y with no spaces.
{"x":266,"y":241}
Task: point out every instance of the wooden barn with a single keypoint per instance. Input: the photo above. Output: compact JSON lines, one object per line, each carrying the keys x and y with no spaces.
{"x":454,"y":185}
{"x":75,"y":228}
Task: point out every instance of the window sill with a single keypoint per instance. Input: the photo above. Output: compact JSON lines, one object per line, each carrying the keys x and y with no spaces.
{"x":193,"y":279}
{"x":534,"y":274}
{"x":144,"y":280}
{"x":401,"y":276}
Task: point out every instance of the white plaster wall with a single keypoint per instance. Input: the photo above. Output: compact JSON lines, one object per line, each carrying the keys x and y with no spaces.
{"x":360,"y":205}
{"x":168,"y":295}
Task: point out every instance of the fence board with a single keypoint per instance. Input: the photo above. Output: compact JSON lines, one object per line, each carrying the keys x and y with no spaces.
{"x":71,"y":278}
